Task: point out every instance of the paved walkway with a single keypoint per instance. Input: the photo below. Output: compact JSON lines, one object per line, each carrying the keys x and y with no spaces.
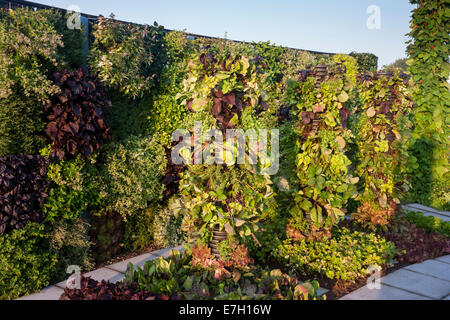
{"x":427,"y":211}
{"x":429,"y":280}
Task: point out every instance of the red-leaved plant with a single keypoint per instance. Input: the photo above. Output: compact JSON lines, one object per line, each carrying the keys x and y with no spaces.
{"x":23,"y":188}
{"x":76,"y":115}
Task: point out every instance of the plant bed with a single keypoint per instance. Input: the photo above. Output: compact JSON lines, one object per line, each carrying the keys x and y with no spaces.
{"x":196,"y":274}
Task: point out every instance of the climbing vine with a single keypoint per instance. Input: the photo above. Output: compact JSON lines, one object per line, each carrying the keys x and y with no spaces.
{"x":382,"y":135}
{"x":325,"y":184}
{"x":429,"y":65}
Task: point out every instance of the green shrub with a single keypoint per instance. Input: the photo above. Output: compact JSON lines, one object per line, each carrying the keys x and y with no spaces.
{"x":127,"y":117}
{"x":428,"y":53}
{"x":70,"y":243}
{"x":70,"y":55}
{"x":106,"y":234}
{"x":21,"y":126}
{"x":138,"y":233}
{"x":428,"y":223}
{"x":344,"y":257}
{"x":367,"y":62}
{"x":324,"y":182}
{"x":132,"y":171}
{"x":26,"y":262}
{"x":382,"y":133}
{"x":73,"y":190}
{"x":28,"y":50}
{"x":123,"y":55}
{"x":166,"y":226}
{"x":230,"y":197}
{"x":167,"y":114}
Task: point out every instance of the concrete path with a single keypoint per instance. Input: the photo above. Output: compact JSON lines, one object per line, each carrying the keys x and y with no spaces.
{"x":427,"y":211}
{"x":429,"y":280}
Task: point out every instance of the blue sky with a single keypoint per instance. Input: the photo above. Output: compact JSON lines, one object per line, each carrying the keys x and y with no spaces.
{"x":321,"y":25}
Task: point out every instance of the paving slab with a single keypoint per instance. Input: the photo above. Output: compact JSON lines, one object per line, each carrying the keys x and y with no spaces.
{"x":49,"y":293}
{"x":427,"y":213}
{"x":445,"y":259}
{"x":136,"y":261}
{"x":417,"y":283}
{"x":433,"y":268}
{"x":384,"y":293}
{"x":423,"y":208}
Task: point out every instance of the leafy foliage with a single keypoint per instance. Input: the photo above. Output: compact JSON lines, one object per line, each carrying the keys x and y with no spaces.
{"x":123,"y":55}
{"x":23,"y":188}
{"x":25,"y":261}
{"x":430,"y":68}
{"x":325,"y":184}
{"x":21,"y":126}
{"x":138,"y":233}
{"x":132,"y":171}
{"x":29,"y":45}
{"x":224,"y":84}
{"x":28,"y":50}
{"x":231,"y":198}
{"x":382,"y":136}
{"x":428,"y":223}
{"x":106,"y":233}
{"x":415,"y":245}
{"x":91,"y":289}
{"x":167,"y":113}
{"x":346,"y":256}
{"x":76,"y":115}
{"x":367,"y":62}
{"x":179,"y":275}
{"x":70,"y":243}
{"x":70,"y":55}
{"x":73,"y":190}
{"x":166,"y":225}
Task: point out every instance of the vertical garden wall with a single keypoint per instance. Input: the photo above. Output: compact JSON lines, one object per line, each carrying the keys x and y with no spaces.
{"x":87,"y":167}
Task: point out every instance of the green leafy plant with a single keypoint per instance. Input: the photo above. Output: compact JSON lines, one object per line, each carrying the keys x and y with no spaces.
{"x":73,"y":189}
{"x":131,"y":172}
{"x":367,"y":62}
{"x":167,"y":114}
{"x":429,"y":65}
{"x":429,"y":223}
{"x":123,"y":55}
{"x":324,"y":183}
{"x":344,"y":257}
{"x":138,"y":233}
{"x":70,"y":243}
{"x":25,"y":261}
{"x":382,"y":132}
{"x":228,"y":198}
{"x":182,"y":276}
{"x":166,"y":225}
{"x":28,"y":51}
